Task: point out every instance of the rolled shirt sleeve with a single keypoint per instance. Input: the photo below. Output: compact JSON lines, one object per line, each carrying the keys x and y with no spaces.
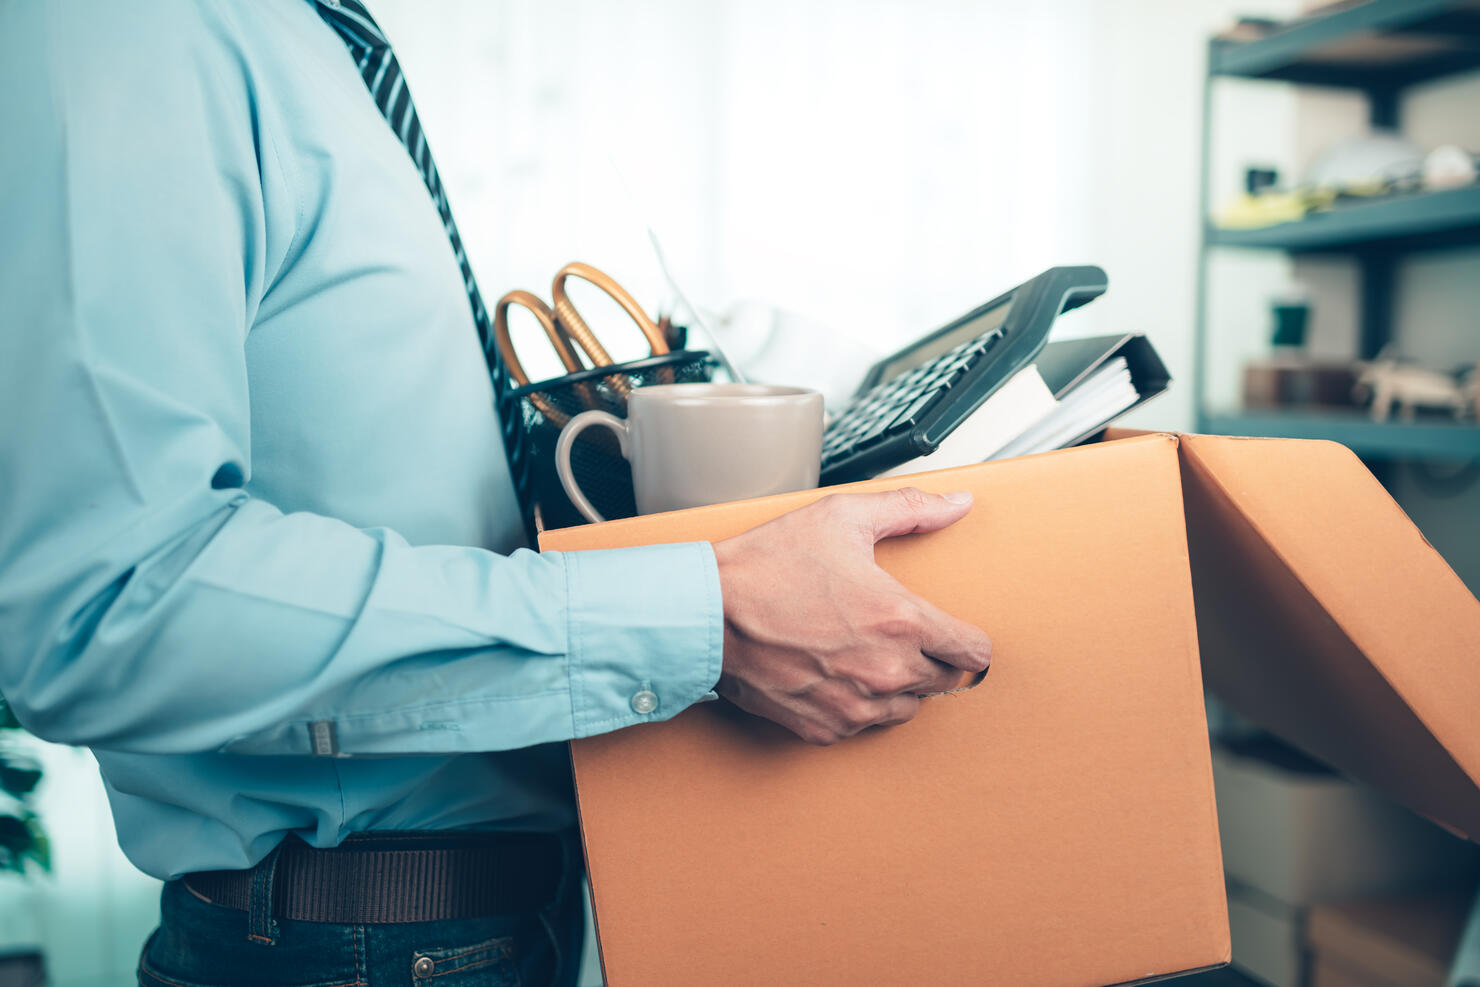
{"x":148,"y":602}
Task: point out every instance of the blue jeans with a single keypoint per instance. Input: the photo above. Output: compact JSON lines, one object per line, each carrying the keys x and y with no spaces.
{"x":200,"y":944}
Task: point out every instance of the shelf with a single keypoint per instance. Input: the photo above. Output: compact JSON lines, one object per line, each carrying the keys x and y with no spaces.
{"x":1372,"y":46}
{"x":1426,"y":438}
{"x":1412,"y":220}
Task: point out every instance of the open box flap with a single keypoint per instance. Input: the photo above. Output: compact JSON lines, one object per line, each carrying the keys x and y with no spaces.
{"x":1324,"y":616}
{"x":1054,"y":826}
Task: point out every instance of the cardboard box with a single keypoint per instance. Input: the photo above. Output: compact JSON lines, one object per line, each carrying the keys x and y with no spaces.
{"x":1055,"y":825}
{"x":1387,"y":942}
{"x":1268,"y":937}
{"x":1325,"y":617}
{"x":1303,"y":834}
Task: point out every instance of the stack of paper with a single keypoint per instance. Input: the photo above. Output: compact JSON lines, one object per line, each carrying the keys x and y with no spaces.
{"x":1014,"y":408}
{"x":1106,"y":394}
{"x":1073,"y":391}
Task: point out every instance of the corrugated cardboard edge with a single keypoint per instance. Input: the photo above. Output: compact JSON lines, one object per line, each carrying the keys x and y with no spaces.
{"x":1130,"y":437}
{"x":1357,"y":608}
{"x":585,"y":856}
{"x":1163,"y":977}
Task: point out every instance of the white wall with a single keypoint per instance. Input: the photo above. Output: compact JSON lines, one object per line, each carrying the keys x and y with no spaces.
{"x":881,"y":167}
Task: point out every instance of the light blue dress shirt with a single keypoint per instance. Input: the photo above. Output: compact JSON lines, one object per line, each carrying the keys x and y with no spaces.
{"x":252,"y":490}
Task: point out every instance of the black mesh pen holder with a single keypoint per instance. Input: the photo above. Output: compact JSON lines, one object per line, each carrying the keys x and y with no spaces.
{"x":595,"y":459}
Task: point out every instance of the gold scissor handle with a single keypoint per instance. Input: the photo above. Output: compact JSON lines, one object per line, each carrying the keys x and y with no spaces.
{"x":558,"y":340}
{"x":570,"y":321}
{"x":541,"y":312}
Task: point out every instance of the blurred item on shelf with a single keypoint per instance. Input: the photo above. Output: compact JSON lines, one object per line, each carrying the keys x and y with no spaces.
{"x":1377,"y":165}
{"x":1290,"y":314}
{"x":1322,"y":9}
{"x":1249,"y":29}
{"x":1270,"y":207}
{"x":1448,"y":166}
{"x":1465,"y":970}
{"x":1387,"y":382}
{"x":1296,"y":831}
{"x":1293,"y":380}
{"x":1258,"y":179}
{"x":1268,"y":937}
{"x":1403,"y":941}
{"x":1288,"y":377}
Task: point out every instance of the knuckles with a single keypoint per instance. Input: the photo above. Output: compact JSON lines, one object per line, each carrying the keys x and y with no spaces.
{"x":831,"y":507}
{"x":885,"y":678}
{"x":898,"y":620}
{"x":912,"y":498}
{"x":818,"y":735}
{"x":858,"y":713}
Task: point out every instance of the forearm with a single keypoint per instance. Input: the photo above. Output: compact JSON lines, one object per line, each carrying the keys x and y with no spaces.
{"x":257,"y":632}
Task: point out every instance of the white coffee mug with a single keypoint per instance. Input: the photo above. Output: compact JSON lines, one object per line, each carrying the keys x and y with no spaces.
{"x":696,"y":444}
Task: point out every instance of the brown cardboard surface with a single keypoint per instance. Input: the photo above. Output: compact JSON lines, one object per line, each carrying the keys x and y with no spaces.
{"x":1053,"y":826}
{"x":1325,"y":617}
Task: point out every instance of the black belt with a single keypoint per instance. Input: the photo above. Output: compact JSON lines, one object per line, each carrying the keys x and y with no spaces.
{"x":399,"y":877}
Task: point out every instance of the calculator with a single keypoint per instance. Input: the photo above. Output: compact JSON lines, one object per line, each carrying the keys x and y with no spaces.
{"x":911,"y":400}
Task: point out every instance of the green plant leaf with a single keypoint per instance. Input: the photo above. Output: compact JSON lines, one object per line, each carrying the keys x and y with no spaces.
{"x":40,"y":849}
{"x":13,"y":831}
{"x":22,"y":840}
{"x":18,"y":781}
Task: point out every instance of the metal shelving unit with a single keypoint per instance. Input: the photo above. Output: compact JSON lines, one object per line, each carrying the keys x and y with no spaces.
{"x":1379,"y":48}
{"x":1415,"y":221}
{"x":1356,"y":431}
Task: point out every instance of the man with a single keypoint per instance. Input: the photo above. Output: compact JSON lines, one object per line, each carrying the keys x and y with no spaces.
{"x":260,"y":548}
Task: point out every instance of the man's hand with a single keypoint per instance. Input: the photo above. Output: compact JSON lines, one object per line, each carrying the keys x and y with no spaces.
{"x":821,"y":640}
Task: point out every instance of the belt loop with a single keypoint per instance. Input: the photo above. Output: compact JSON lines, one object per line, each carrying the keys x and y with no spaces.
{"x":261,"y":927}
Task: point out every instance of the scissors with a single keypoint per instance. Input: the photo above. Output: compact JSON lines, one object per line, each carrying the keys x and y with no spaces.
{"x":569,"y":334}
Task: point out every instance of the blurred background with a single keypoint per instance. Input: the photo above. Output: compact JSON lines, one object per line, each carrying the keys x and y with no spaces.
{"x":864,"y":171}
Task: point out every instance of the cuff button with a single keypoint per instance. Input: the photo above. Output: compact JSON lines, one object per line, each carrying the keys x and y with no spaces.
{"x":644,"y":701}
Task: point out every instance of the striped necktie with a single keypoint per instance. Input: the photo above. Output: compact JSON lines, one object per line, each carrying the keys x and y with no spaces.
{"x":382,"y":74}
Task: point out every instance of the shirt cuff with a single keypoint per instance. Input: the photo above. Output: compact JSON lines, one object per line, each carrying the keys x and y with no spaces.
{"x":646,"y":633}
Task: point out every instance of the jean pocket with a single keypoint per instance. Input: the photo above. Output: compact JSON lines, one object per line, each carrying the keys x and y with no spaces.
{"x":149,"y":976}
{"x":490,"y":963}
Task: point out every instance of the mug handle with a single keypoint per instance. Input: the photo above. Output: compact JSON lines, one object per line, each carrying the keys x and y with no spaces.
{"x":562,"y":456}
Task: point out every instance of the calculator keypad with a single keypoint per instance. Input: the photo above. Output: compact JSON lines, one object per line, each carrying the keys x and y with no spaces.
{"x":894,"y":404}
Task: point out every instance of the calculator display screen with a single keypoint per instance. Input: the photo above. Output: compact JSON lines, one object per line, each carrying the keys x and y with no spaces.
{"x":946,"y":341}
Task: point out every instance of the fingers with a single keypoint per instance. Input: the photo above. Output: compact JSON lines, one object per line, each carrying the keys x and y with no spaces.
{"x":914,"y":624}
{"x":832,"y":712}
{"x":821,"y":640}
{"x":907,"y":510}
{"x":901,"y":709}
{"x":952,"y":641}
{"x":906,"y":671}
{"x":944,"y":678}
{"x":858,"y":713}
